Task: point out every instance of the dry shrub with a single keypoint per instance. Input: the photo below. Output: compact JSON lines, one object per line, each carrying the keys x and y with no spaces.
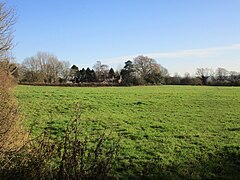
{"x":73,"y":157}
{"x":11,"y":135}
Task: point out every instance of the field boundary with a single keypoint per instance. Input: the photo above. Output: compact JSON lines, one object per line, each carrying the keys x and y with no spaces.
{"x":73,"y":84}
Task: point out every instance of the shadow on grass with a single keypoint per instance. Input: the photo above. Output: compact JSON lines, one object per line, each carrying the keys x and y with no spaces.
{"x":224,"y":164}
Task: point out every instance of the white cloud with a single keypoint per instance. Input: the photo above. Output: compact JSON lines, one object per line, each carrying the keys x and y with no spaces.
{"x":196,"y":53}
{"x":188,"y":60}
{"x":206,"y":52}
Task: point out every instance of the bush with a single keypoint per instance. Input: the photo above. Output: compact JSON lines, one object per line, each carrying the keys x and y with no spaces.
{"x":9,"y":127}
{"x":73,"y":157}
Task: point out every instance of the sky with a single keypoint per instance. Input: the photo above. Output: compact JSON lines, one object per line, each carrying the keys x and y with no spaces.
{"x":181,"y":35}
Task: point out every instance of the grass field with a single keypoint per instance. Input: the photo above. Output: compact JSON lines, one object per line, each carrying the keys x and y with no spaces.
{"x":166,"y":131}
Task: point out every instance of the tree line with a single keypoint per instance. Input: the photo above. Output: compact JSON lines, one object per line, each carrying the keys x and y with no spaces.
{"x":206,"y":76}
{"x":47,"y":68}
{"x":142,"y":70}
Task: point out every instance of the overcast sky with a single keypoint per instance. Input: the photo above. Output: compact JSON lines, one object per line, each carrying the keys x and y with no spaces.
{"x":180,"y":34}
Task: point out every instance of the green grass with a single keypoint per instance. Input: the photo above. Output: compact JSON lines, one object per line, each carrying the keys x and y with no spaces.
{"x":166,"y":131}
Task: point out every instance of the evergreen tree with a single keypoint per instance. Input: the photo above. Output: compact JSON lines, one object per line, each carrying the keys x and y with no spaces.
{"x":111,"y":73}
{"x":127,"y":73}
{"x":82,"y":74}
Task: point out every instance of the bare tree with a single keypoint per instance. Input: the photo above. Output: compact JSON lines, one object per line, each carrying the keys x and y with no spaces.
{"x":148,"y":70}
{"x":101,"y":71}
{"x":65,"y":71}
{"x":30,"y":70}
{"x":203,"y":74}
{"x":164,"y":71}
{"x":144,"y":65}
{"x":221,"y":74}
{"x":234,"y":77}
{"x":7,"y":21}
{"x":176,"y":79}
{"x":43,"y":67}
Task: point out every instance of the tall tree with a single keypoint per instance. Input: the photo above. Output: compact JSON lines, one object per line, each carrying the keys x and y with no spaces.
{"x":128,"y":73}
{"x":30,"y":71}
{"x":203,"y":74}
{"x":74,"y":73}
{"x":65,"y":71}
{"x":101,"y":71}
{"x":186,"y":80}
{"x":221,"y":74}
{"x":7,"y":21}
{"x":88,"y":75}
{"x":175,"y":80}
{"x":111,"y":74}
{"x":234,"y":77}
{"x":148,"y":70}
{"x":43,"y":67}
{"x":82,"y":75}
{"x":93,"y":76}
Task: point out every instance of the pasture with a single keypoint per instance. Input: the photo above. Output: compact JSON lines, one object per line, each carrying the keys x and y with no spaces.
{"x":165,"y":131}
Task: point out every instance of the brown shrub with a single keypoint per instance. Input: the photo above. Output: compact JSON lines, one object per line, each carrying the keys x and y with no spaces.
{"x":11,"y":136}
{"x":75,"y":156}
